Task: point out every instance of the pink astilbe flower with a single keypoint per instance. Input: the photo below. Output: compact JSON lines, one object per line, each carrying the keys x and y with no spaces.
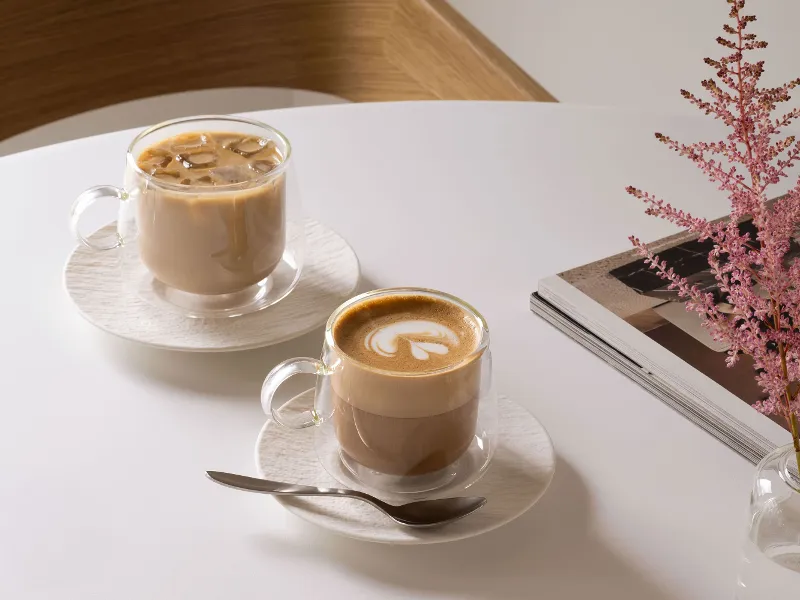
{"x":753,"y":274}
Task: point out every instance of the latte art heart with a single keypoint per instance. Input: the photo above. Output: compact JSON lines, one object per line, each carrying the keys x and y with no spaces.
{"x":408,"y":333}
{"x":423,"y":337}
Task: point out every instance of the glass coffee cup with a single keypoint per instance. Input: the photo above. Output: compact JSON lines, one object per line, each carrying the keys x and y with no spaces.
{"x":403,"y":402}
{"x":209,"y":221}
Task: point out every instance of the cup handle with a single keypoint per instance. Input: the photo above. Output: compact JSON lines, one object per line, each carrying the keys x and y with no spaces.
{"x":293,"y":366}
{"x":83,"y":202}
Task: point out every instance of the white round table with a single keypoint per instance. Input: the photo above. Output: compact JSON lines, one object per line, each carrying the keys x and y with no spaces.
{"x":104,"y":444}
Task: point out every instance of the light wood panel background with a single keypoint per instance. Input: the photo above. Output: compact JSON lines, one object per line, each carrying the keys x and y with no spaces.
{"x":63,"y":57}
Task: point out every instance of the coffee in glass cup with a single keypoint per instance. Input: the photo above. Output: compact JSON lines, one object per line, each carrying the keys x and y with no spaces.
{"x":212,"y":241}
{"x":206,"y":211}
{"x":403,"y":392}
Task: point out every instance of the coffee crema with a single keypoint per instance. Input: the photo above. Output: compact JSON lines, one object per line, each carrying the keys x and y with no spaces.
{"x":410,"y":334}
{"x":204,"y":234}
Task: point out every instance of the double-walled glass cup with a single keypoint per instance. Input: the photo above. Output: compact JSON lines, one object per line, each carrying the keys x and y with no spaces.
{"x":212,"y":224}
{"x":397,"y":431}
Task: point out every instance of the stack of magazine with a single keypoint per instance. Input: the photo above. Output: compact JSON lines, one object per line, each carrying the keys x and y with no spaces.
{"x":623,"y":312}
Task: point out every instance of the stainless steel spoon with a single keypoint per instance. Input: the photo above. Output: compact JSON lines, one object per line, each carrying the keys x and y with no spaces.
{"x":425,"y":513}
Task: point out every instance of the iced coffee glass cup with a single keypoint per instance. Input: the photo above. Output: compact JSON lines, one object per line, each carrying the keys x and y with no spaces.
{"x":209,"y":222}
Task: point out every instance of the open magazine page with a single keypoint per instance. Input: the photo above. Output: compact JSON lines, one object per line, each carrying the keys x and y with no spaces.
{"x":628,"y":306}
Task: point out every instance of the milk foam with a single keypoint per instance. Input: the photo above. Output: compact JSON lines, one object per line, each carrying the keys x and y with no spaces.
{"x":424,"y":338}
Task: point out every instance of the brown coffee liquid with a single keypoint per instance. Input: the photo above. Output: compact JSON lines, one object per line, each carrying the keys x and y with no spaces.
{"x":202,"y":234}
{"x":407,"y":333}
{"x":405,"y":446}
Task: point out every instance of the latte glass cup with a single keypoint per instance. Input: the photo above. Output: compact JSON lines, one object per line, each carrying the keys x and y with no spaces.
{"x":206,"y":238}
{"x":396,"y":432}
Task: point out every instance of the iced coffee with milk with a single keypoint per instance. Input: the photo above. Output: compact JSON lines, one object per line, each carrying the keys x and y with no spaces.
{"x":211,"y":214}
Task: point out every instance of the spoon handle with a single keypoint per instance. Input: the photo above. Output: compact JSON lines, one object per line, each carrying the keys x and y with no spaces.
{"x":277,"y":488}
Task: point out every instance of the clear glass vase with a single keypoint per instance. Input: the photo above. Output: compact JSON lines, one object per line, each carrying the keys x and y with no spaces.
{"x":770,"y":567}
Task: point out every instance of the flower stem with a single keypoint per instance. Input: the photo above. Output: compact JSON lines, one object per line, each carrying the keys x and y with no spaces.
{"x":795,"y":437}
{"x":791,"y":417}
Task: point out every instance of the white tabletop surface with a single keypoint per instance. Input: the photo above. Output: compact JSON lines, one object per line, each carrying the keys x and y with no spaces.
{"x":103,"y":443}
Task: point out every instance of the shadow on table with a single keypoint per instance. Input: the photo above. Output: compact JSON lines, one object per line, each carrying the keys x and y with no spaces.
{"x":235,"y":375}
{"x":550,"y":552}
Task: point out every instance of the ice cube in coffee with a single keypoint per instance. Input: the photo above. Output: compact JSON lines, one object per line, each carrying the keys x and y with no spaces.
{"x":212,"y":214}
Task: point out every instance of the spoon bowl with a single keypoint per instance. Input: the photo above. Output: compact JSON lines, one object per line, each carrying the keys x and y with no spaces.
{"x":432,"y":513}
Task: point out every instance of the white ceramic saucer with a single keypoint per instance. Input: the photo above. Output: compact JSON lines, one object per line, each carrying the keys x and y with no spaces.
{"x":519,"y":474}
{"x":95,"y":283}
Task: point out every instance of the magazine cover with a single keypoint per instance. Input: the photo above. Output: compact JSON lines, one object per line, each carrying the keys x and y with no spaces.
{"x":625,"y":286}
